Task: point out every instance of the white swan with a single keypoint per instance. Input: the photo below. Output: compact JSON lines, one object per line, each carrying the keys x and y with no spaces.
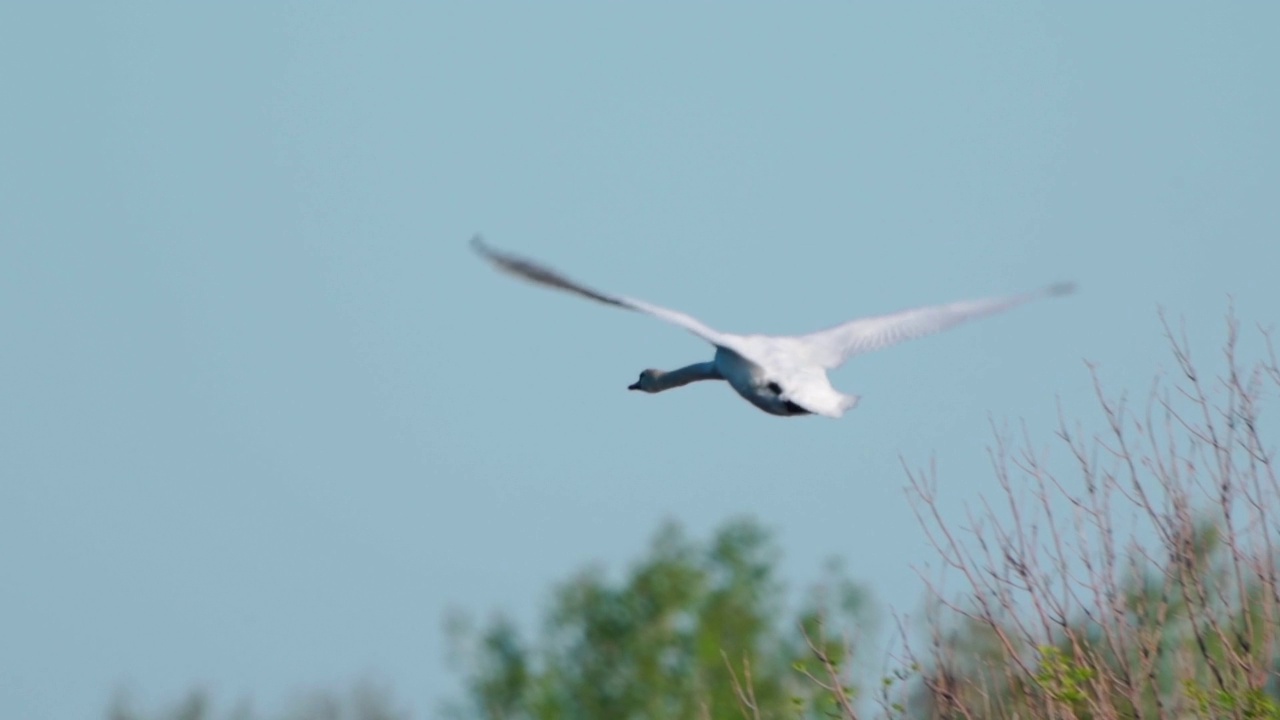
{"x":781,"y":375}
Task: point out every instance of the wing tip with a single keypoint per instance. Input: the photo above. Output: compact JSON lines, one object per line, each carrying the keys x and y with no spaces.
{"x":1060,"y":289}
{"x":498,"y":258}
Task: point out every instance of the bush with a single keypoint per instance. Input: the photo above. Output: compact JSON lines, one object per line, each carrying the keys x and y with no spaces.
{"x":1145,"y":586}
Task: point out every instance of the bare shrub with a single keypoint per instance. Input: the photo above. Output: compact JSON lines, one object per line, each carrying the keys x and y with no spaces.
{"x":1136,"y":580}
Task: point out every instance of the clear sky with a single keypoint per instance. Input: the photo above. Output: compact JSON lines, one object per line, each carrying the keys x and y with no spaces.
{"x":266,"y":418}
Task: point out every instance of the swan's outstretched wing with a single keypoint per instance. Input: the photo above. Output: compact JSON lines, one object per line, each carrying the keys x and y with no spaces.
{"x":543,"y":275}
{"x":830,"y":348}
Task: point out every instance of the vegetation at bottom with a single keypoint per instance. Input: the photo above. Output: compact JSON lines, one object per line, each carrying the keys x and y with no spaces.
{"x":1129,"y":567}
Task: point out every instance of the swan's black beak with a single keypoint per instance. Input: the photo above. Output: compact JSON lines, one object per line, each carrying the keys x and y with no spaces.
{"x":634,"y":386}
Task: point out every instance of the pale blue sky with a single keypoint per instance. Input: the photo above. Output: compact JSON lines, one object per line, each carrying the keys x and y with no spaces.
{"x":266,"y":417}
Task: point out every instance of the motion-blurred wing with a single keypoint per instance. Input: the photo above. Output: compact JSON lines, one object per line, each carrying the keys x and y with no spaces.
{"x":541,"y":274}
{"x":832,"y":347}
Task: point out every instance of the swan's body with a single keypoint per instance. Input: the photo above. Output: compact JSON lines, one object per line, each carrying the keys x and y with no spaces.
{"x":753,"y":383}
{"x":781,"y":375}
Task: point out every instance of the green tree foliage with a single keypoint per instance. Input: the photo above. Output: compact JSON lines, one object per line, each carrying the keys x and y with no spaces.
{"x":364,"y":701}
{"x":692,"y":631}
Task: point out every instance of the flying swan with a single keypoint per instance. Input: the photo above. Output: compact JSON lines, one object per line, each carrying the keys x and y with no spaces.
{"x":781,"y":375}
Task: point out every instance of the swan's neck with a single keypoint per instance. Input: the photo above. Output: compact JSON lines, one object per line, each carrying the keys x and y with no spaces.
{"x":686,"y":375}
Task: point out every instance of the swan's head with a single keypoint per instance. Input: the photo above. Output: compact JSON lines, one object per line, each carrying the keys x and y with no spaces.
{"x":648,"y":381}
